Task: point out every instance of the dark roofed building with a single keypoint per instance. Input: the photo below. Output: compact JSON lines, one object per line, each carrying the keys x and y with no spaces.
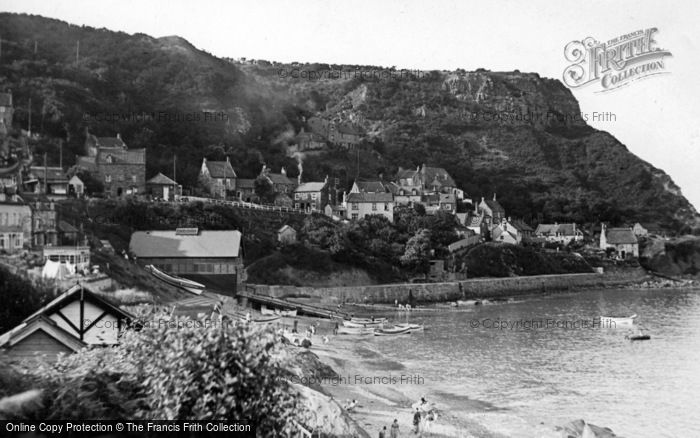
{"x":561,"y":233}
{"x":245,"y":190}
{"x":190,"y":251}
{"x":160,"y":186}
{"x":492,"y":209}
{"x":360,"y":186}
{"x":48,"y":180}
{"x":6,"y":112}
{"x":122,"y":171}
{"x":436,"y":179}
{"x":621,"y":241}
{"x":217,"y":177}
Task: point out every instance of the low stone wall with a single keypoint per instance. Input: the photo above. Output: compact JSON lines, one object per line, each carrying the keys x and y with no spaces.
{"x":467,"y":289}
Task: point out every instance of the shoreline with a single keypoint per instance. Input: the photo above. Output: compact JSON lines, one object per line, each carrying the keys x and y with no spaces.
{"x":379,"y":403}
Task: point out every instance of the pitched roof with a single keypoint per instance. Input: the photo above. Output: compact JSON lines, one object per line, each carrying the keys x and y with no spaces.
{"x":371,"y":186}
{"x":54,"y":174}
{"x":285,"y":228}
{"x":448,"y":197}
{"x":520,"y":225}
{"x":44,"y":324}
{"x":66,"y":227}
{"x":406,"y":173}
{"x":242,"y":183}
{"x":106,"y":142}
{"x":76,"y":291}
{"x":205,"y":244}
{"x":279,"y":178}
{"x":161,"y":179}
{"x":431,"y":174}
{"x":553,"y":229}
{"x":369,"y":197}
{"x":618,"y":236}
{"x":121,"y":156}
{"x":311,"y":187}
{"x":495,"y":206}
{"x":220,"y":169}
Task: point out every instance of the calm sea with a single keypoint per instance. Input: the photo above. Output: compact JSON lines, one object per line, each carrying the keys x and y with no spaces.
{"x":544,"y":359}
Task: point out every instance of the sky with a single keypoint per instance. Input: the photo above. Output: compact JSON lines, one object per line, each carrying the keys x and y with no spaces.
{"x":656,"y":118}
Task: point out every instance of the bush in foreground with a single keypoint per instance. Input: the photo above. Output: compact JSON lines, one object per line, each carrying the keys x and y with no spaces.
{"x":174,"y":369}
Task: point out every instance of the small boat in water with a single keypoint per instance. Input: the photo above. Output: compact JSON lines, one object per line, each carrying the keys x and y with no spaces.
{"x":183,"y":283}
{"x":292,"y":312}
{"x":612,"y":321}
{"x":265,"y":311}
{"x":639,"y":337}
{"x":367,"y":320}
{"x":355,"y":331}
{"x":392,"y":331}
{"x":412,"y":327}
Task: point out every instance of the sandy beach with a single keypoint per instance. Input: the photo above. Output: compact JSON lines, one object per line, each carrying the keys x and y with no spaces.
{"x":385,"y":390}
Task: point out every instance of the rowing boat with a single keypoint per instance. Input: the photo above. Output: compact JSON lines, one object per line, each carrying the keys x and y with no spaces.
{"x":183,"y":283}
{"x":392,"y":331}
{"x":367,"y":320}
{"x":412,"y":327}
{"x":355,"y":331}
{"x":617,"y":320}
{"x":352,"y":324}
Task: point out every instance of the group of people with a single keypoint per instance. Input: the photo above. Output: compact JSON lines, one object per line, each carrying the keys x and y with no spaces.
{"x":423,"y":419}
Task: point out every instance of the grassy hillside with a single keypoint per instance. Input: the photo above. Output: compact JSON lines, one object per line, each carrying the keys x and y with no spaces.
{"x":552,"y":167}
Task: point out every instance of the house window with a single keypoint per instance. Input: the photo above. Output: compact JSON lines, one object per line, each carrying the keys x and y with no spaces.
{"x":314,"y":195}
{"x":355,"y":216}
{"x":313,"y":206}
{"x":386,"y":207}
{"x":448,"y":207}
{"x":108,"y":178}
{"x":297,"y":196}
{"x":374,"y":206}
{"x":355,"y":206}
{"x":133,"y":178}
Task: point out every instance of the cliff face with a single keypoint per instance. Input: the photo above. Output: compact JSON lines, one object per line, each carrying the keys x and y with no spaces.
{"x":515,"y":134}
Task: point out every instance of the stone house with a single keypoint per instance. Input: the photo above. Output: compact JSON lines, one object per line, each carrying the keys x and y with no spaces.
{"x":217,"y":178}
{"x":622,"y":241}
{"x":560,"y":233}
{"x":313,"y":196}
{"x":359,"y":205}
{"x":122,"y":171}
{"x":15,"y":223}
{"x":494,"y":213}
{"x":44,"y":220}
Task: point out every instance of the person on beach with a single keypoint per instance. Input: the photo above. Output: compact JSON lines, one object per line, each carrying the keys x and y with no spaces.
{"x":395,"y":429}
{"x":416,"y":421}
{"x":335,"y":329}
{"x":382,"y":433}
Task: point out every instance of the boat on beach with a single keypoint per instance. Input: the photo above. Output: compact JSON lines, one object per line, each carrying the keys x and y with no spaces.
{"x":352,"y":324}
{"x":617,"y":320}
{"x":355,"y":330}
{"x":392,"y":331}
{"x":367,"y":320}
{"x":183,"y":283}
{"x":267,"y":311}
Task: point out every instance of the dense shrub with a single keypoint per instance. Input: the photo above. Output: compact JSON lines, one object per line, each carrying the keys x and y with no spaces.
{"x":20,"y":298}
{"x":175,"y":369}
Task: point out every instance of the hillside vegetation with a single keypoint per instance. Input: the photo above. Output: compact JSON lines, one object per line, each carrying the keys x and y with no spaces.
{"x":550,"y":167}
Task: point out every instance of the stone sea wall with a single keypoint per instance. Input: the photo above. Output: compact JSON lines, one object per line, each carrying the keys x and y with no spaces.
{"x":467,"y":289}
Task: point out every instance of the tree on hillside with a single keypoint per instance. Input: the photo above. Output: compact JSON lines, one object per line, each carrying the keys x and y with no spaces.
{"x":417,"y":253}
{"x":264,"y":190}
{"x":19,"y":299}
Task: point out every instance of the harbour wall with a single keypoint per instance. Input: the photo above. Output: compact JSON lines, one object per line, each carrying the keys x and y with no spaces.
{"x":478,"y":288}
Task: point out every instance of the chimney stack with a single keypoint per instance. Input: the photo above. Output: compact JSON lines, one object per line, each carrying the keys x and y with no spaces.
{"x":494,"y":196}
{"x":283,"y":171}
{"x":119,"y":136}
